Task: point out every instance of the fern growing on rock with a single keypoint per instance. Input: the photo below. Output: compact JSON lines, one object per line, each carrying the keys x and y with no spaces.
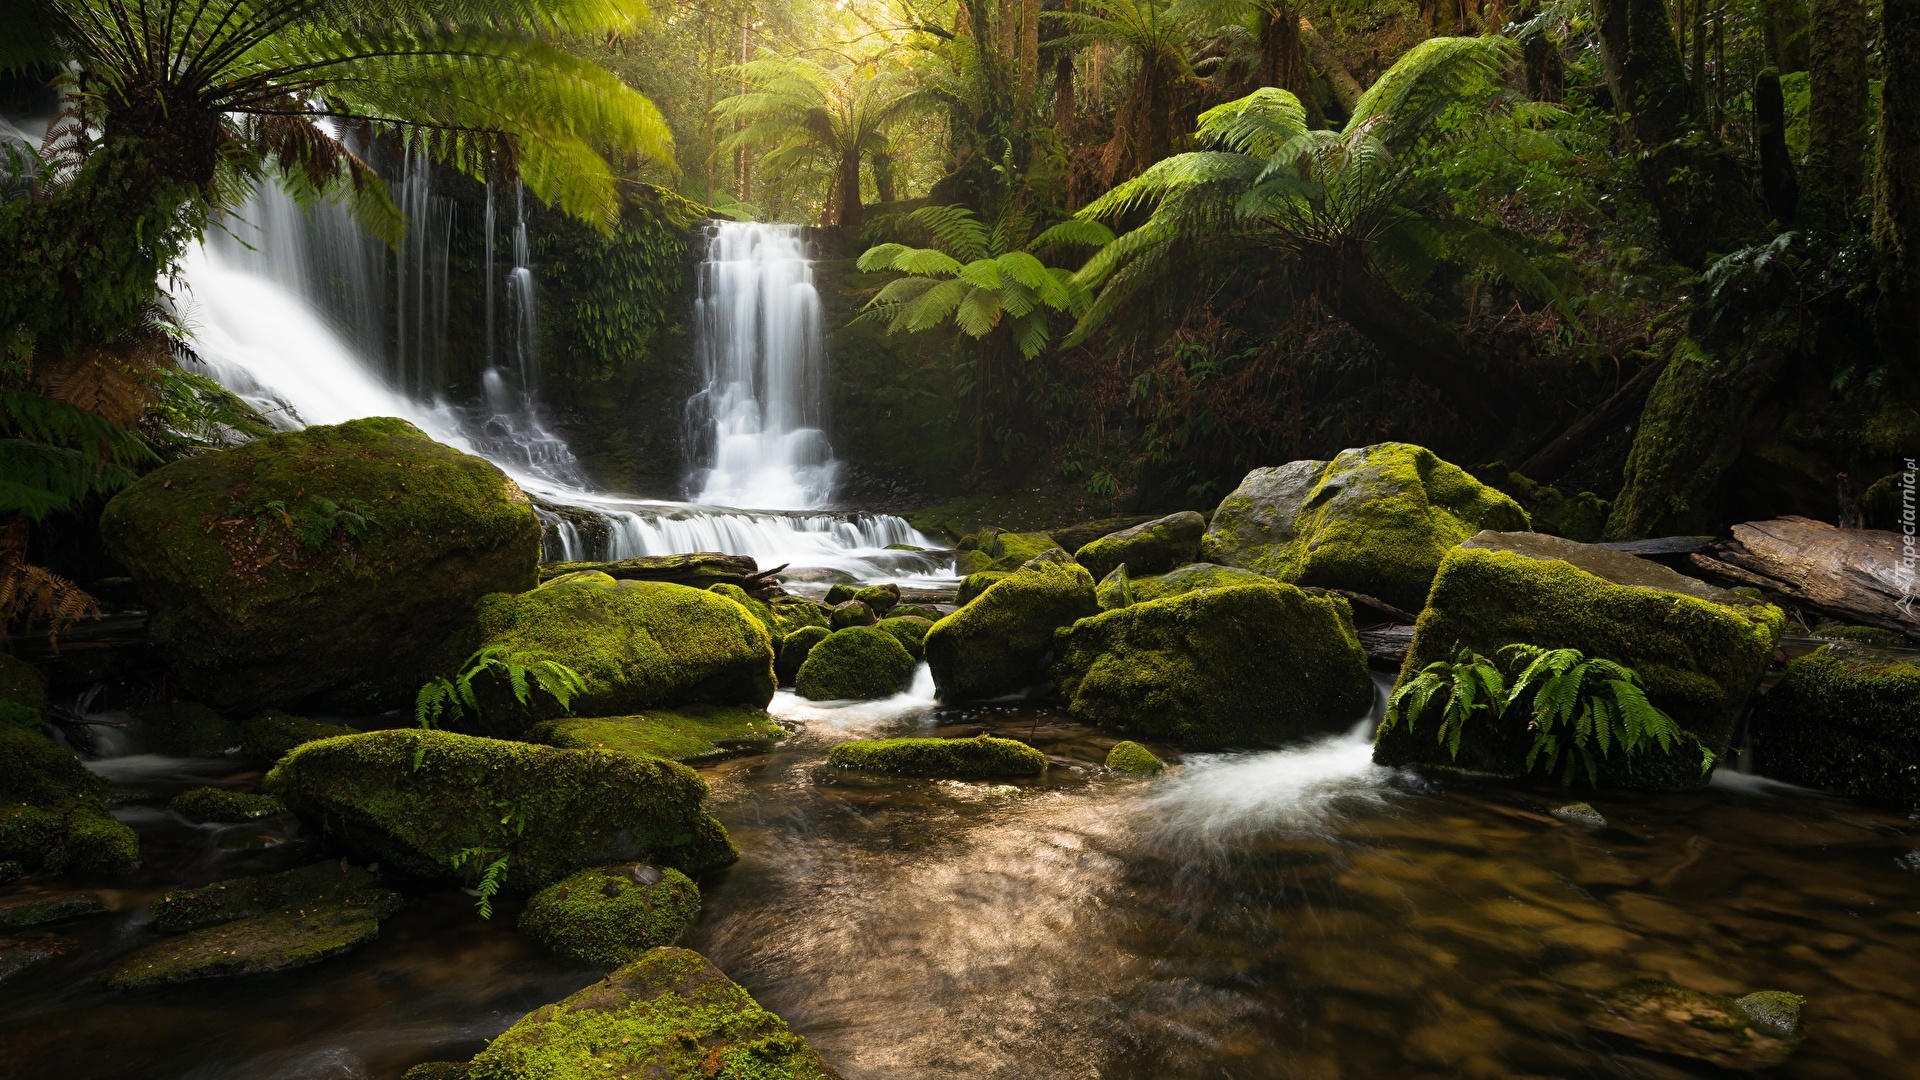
{"x":445,"y":698}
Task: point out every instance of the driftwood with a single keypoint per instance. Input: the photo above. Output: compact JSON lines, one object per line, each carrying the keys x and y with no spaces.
{"x":699,"y":569}
{"x":1862,"y":576}
{"x":1386,"y":646}
{"x":1551,"y":460}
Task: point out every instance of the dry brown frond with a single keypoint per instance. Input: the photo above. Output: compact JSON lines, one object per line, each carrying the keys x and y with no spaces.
{"x":33,"y":594}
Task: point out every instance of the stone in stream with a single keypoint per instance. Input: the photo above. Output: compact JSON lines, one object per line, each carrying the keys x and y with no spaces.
{"x":852,"y":613}
{"x":919,"y":611}
{"x":999,"y":642}
{"x":53,"y":811}
{"x":881,"y":598}
{"x":779,"y":616}
{"x":1075,"y":537}
{"x":670,"y":1013}
{"x":607,"y":916}
{"x":840,"y":592}
{"x":794,"y":650}
{"x":209,"y":805}
{"x":38,"y":907}
{"x":1699,"y":652}
{"x":326,"y":563}
{"x":1133,"y":759}
{"x":1758,"y":1031}
{"x":308,"y":888}
{"x":692,"y":734}
{"x":976,"y":583}
{"x":910,"y":631}
{"x":980,"y":758}
{"x":421,"y":802}
{"x":23,"y":951}
{"x":1244,"y":665}
{"x":998,"y":549}
{"x":638,"y":645}
{"x":858,"y":663}
{"x":1846,"y":720}
{"x":1374,"y":520}
{"x":1153,"y":547}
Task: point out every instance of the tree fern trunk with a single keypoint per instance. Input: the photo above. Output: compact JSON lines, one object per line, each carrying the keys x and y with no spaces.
{"x":1777,"y":183}
{"x":1282,"y":63}
{"x":1836,"y":111}
{"x":848,"y":214}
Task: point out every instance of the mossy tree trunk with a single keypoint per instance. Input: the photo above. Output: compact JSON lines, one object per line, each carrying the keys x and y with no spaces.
{"x":1896,"y":184}
{"x":1778,"y":185}
{"x":1836,"y":111}
{"x":1282,"y":62}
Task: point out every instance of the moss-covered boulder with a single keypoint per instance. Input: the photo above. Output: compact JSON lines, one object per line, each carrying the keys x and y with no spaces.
{"x":1245,"y":665}
{"x":910,"y":631}
{"x":840,"y":592}
{"x":974,"y":584}
{"x":669,"y":1014}
{"x":637,"y":644}
{"x":211,"y":805}
{"x":322,"y":884}
{"x":268,"y":736}
{"x":331,"y":562}
{"x":1845,"y":720}
{"x":421,"y":802}
{"x":852,"y":613}
{"x":609,"y":915}
{"x":1190,"y":578}
{"x":858,"y":663}
{"x":186,"y":729}
{"x":53,"y":812}
{"x":1133,"y":759}
{"x":690,"y":734}
{"x":794,"y":650}
{"x":999,"y":549}
{"x":780,"y":616}
{"x":1375,"y":520}
{"x":1000,"y":642}
{"x":1700,"y":659}
{"x":918,"y":611}
{"x":982,"y":757}
{"x":1115,"y":590}
{"x":23,"y":693}
{"x":1153,"y":547}
{"x":881,"y":598}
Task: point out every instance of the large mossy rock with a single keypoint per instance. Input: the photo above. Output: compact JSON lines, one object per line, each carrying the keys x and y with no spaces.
{"x":982,"y":757}
{"x":689,"y":734}
{"x":53,"y":812}
{"x":794,"y":650}
{"x":609,"y":915}
{"x":1374,"y":520}
{"x":267,"y":737}
{"x":1189,"y":578}
{"x":23,"y":693}
{"x":638,"y":645}
{"x":416,"y":800}
{"x":999,"y":642}
{"x":327,"y":563}
{"x":1243,"y":665}
{"x":1153,"y":547}
{"x":1845,"y":720}
{"x":856,"y":664}
{"x":780,"y":616}
{"x":1699,"y":659}
{"x":670,"y":1014}
{"x":998,"y":549}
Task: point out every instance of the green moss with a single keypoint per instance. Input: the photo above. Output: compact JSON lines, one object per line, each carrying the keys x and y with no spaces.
{"x":669,"y":1014}
{"x":910,"y":631}
{"x":997,"y":643}
{"x":1007,"y":550}
{"x":1245,"y":665}
{"x":582,"y":577}
{"x":1153,"y":547}
{"x":609,"y":915}
{"x":268,"y":736}
{"x":53,"y":812}
{"x":980,"y":758}
{"x":780,"y":616}
{"x":1191,"y":578}
{"x":858,"y":663}
{"x":1699,"y":660}
{"x":439,"y":1070}
{"x":699,"y":569}
{"x":211,"y":804}
{"x":691,"y":733}
{"x":852,"y":613}
{"x":638,"y":644}
{"x":1075,"y":537}
{"x":918,"y":611}
{"x":1845,"y":722}
{"x":794,"y":650}
{"x":840,"y":592}
{"x":1133,"y":759}
{"x":976,"y":583}
{"x":1115,"y":590}
{"x":1865,"y":635}
{"x":20,"y":913}
{"x":1581,"y":517}
{"x":1375,"y":520}
{"x":324,"y":885}
{"x":249,"y":614}
{"x":21,"y":684}
{"x":256,"y":946}
{"x":414,"y":800}
{"x":881,"y":598}
{"x":186,"y":729}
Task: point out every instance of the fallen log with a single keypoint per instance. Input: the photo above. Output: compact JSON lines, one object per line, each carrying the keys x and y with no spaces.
{"x":1547,"y":463}
{"x":1862,"y":576}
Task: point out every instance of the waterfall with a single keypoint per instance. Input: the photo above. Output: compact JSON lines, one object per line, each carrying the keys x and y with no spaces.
{"x":758,"y":335}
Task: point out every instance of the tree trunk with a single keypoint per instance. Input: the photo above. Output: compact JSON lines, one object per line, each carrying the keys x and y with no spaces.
{"x":1896,"y":184}
{"x":1777,"y":184}
{"x":1346,"y":89}
{"x":1786,"y":32}
{"x":882,"y":164}
{"x":1063,"y":94}
{"x":1836,"y":111}
{"x":1029,"y":53}
{"x":1696,"y":187}
{"x":1282,"y":63}
{"x":848,"y":212}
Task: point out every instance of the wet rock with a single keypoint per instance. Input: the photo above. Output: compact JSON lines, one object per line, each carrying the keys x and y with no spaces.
{"x":268,"y":736}
{"x":39,"y":907}
{"x":23,"y":951}
{"x":53,"y":812}
{"x":840,"y":592}
{"x":1699,"y":660}
{"x":974,"y":584}
{"x":1190,"y":578}
{"x":852,"y":613}
{"x":880,"y":598}
{"x":1133,"y":759}
{"x":1154,"y":547}
{"x":999,"y":642}
{"x":1580,"y":813}
{"x":255,"y":946}
{"x":333,"y":561}
{"x":321,"y":885}
{"x":414,"y":800}
{"x":1114,"y":590}
{"x":910,"y":631}
{"x":637,"y":644}
{"x":858,"y":663}
{"x":1238,"y":666}
{"x":207,"y":805}
{"x":670,"y":1013}
{"x":1376,"y":520}
{"x":979,"y":758}
{"x":794,"y":650}
{"x":1846,"y":721}
{"x":919,"y":611}
{"x":609,"y":915}
{"x":998,"y":549}
{"x":690,"y":734}
{"x":1758,"y":1031}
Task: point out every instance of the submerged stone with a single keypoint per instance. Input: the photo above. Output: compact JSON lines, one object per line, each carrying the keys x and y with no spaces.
{"x":858,"y":663}
{"x":1580,"y":813}
{"x":1375,"y":520}
{"x":39,"y":908}
{"x":1133,"y":759}
{"x":979,"y":758}
{"x":255,"y":946}
{"x":1846,"y":721}
{"x":53,"y":811}
{"x":609,"y":915}
{"x":25,"y":951}
{"x":1244,"y":665}
{"x":794,"y":650}
{"x":690,"y":733}
{"x":416,"y":800}
{"x":999,"y":642}
{"x":1758,"y":1031}
{"x":333,"y":561}
{"x":1150,"y":548}
{"x":206,"y":805}
{"x":910,"y":631}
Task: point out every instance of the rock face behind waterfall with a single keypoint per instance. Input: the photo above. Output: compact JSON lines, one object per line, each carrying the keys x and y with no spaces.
{"x":998,"y":642}
{"x":1243,"y":665}
{"x":330,"y":563}
{"x":1699,"y":651}
{"x":1375,"y":520}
